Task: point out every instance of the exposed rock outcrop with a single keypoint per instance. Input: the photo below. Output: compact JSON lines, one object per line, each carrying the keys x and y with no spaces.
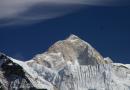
{"x":70,"y":64}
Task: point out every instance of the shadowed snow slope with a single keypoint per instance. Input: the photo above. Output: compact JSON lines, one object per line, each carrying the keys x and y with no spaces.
{"x":70,"y":64}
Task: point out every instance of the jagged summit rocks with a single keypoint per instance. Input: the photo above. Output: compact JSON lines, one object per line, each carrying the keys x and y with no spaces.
{"x":70,"y":64}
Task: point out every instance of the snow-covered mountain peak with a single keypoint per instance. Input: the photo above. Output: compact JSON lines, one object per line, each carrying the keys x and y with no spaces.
{"x":73,"y":37}
{"x":70,"y":64}
{"x":73,"y":51}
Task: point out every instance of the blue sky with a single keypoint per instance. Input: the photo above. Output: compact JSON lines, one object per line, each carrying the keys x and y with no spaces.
{"x":106,"y":28}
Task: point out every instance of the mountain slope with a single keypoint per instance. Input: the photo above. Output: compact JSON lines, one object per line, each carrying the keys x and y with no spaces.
{"x":70,"y":64}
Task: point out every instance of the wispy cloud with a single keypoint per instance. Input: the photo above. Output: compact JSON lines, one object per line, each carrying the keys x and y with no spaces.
{"x":29,"y":11}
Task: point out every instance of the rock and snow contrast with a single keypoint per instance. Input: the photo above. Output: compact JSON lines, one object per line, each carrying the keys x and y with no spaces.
{"x":70,"y":64}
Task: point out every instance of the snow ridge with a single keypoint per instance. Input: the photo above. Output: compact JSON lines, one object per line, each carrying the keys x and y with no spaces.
{"x":71,"y":64}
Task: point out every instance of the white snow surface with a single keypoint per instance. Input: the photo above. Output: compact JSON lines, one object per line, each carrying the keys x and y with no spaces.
{"x":73,"y":64}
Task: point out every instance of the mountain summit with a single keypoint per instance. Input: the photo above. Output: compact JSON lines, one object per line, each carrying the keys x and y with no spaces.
{"x":70,"y":64}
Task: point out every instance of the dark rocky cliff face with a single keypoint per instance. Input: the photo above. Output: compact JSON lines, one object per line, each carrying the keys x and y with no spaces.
{"x":12,"y":76}
{"x":70,"y":64}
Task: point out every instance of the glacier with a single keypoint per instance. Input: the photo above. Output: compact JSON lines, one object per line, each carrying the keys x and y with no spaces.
{"x":70,"y":64}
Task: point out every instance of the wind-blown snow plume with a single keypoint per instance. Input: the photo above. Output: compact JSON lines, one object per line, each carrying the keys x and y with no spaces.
{"x":21,"y":11}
